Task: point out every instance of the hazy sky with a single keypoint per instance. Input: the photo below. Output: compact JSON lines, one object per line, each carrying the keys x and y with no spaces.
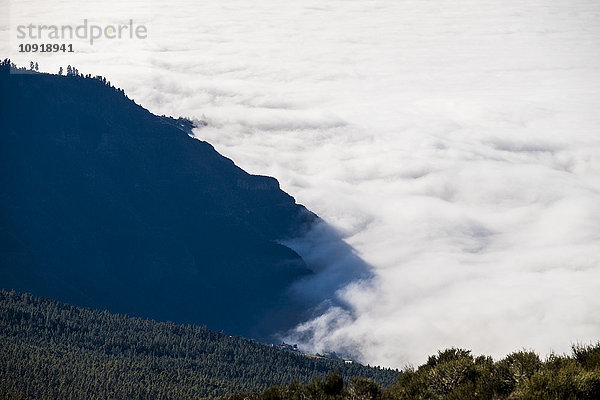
{"x":455,"y":144}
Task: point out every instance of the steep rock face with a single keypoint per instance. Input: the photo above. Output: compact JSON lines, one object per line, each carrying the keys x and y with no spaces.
{"x":104,"y":204}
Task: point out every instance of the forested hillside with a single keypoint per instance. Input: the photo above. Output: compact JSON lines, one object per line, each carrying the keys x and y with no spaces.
{"x":51,"y":350}
{"x":456,"y":374}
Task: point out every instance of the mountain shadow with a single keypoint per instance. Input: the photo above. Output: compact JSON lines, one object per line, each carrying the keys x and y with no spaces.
{"x":106,"y":205}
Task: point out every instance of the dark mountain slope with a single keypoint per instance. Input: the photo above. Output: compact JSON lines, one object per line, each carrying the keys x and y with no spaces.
{"x":104,"y":204}
{"x":52,"y":350}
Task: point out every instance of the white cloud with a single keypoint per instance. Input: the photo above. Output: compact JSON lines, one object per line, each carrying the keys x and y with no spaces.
{"x":456,"y":146}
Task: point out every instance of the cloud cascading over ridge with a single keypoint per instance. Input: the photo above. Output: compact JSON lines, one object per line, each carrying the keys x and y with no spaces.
{"x":455,"y":145}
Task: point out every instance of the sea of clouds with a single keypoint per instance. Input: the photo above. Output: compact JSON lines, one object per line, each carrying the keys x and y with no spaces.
{"x":455,"y":145}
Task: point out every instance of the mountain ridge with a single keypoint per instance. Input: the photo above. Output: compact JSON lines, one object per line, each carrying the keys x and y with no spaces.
{"x":104,"y":204}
